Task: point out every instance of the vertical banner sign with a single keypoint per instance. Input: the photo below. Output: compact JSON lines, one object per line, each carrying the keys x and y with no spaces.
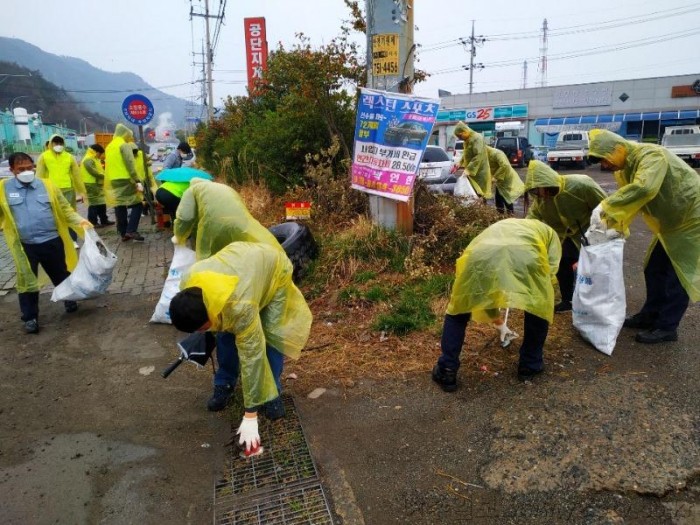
{"x":255,"y":50}
{"x":385,"y":54}
{"x":391,"y":133}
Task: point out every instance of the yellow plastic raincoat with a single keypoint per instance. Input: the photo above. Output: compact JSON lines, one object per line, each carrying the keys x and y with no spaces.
{"x":665,"y":190}
{"x":569,"y":212}
{"x":219,"y":216}
{"x":62,"y":170}
{"x":248,"y":291}
{"x":93,"y":177}
{"x":511,"y":264}
{"x":505,"y":178}
{"x":475,"y":160}
{"x":64,"y":217}
{"x":120,"y":169}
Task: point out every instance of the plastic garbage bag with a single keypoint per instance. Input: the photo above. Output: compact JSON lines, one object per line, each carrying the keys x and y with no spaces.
{"x":183,"y":259}
{"x":464,"y":190}
{"x":93,"y":273}
{"x":599,"y":302}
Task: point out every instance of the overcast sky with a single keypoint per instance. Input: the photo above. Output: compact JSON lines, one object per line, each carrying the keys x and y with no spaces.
{"x":155,"y":38}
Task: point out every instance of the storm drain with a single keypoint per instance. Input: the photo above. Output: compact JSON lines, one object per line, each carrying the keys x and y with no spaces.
{"x":279,"y":487}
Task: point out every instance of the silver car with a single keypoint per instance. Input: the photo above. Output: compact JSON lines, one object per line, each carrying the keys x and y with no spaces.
{"x":435,"y":170}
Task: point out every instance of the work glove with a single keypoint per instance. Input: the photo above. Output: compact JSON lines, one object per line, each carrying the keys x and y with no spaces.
{"x":175,"y":240}
{"x":596,"y":219}
{"x":505,"y":334}
{"x":248,"y":432}
{"x":86,"y":224}
{"x":139,"y":187}
{"x":598,"y":236}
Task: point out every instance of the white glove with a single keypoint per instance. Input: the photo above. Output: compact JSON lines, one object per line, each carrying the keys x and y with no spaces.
{"x":597,"y":236}
{"x":139,"y":187}
{"x":175,"y":240}
{"x":505,"y":334}
{"x":596,"y":220}
{"x":248,"y":432}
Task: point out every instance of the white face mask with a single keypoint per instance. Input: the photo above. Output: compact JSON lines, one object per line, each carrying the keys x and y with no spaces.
{"x":25,"y":177}
{"x":58,"y":149}
{"x":183,"y":155}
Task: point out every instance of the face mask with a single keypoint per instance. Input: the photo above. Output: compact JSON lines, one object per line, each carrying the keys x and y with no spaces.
{"x":25,"y":177}
{"x":183,"y":155}
{"x":58,"y":149}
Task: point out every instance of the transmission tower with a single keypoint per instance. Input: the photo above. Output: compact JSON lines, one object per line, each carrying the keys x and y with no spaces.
{"x":543,"y":55}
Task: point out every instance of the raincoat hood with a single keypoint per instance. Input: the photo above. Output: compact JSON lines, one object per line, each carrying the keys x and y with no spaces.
{"x":609,"y":146}
{"x":461,"y":128}
{"x":539,"y":175}
{"x":122,"y":131}
{"x":56,"y":136}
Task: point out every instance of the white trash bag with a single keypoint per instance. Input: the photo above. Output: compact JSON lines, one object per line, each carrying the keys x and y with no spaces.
{"x":183,"y":258}
{"x":93,"y":273}
{"x":599,"y":302}
{"x":465,"y":191}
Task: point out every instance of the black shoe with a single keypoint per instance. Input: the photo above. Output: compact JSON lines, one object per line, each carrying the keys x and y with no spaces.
{"x":71,"y":306}
{"x":31,"y":326}
{"x":137,"y":236}
{"x":640,"y":321}
{"x":564,"y":306}
{"x":220,"y":398}
{"x":274,"y":409}
{"x":656,"y":336}
{"x":108,"y":223}
{"x":445,"y":377}
{"x":526,"y":374}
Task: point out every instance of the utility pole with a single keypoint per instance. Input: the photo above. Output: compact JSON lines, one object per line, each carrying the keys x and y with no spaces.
{"x":392,"y":17}
{"x":525,"y":74}
{"x":209,"y":58}
{"x":473,"y":41}
{"x":543,"y":57}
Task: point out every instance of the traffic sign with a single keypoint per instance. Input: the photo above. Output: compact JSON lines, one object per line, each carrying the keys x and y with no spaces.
{"x":137,"y":109}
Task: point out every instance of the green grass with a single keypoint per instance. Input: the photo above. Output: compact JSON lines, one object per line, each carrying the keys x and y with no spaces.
{"x":364,"y":276}
{"x":413,"y":311}
{"x":349,"y":294}
{"x":376,"y":294}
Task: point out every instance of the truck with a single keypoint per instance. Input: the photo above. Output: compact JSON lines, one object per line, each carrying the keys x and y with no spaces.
{"x":684,"y":141}
{"x":98,"y":138}
{"x":571,"y":149}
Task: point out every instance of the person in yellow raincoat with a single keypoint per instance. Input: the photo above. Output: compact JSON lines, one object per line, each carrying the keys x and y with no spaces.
{"x":666,"y":191}
{"x":93,"y":176}
{"x":35,"y":217}
{"x":145,"y":175}
{"x":565,"y":204}
{"x":511,"y":264}
{"x":219,"y":216}
{"x":61,"y":168}
{"x":475,"y":160}
{"x":122,"y":183}
{"x":246,"y":291}
{"x":507,"y":181}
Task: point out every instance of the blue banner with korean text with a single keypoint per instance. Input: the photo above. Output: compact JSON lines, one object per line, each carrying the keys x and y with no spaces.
{"x":391,"y":133}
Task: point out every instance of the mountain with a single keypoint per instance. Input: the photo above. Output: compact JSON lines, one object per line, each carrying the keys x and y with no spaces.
{"x":99,"y":91}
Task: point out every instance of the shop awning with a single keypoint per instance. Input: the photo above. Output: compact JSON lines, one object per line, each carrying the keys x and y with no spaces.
{"x":610,"y":121}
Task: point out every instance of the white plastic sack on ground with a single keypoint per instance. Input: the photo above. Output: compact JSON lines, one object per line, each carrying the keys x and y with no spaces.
{"x":465,"y":191}
{"x":93,"y":273}
{"x":183,"y":258}
{"x":599,"y":302}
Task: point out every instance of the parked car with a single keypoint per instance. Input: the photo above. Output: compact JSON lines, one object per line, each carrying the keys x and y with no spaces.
{"x":540,"y":153}
{"x":5,"y":172}
{"x":459,"y":150}
{"x":405,"y":133}
{"x":517,"y":149}
{"x":435,"y":170}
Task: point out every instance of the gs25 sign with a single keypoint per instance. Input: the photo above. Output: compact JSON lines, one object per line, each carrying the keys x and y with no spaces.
{"x":480,"y":114}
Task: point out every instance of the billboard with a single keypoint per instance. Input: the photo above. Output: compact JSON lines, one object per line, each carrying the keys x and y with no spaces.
{"x":391,"y":133}
{"x":255,"y":50}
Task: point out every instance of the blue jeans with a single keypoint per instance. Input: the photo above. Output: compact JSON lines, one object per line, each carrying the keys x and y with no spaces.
{"x":531,"y":351}
{"x":229,"y":365}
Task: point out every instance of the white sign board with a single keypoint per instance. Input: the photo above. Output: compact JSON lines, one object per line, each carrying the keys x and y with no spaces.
{"x":582,"y":97}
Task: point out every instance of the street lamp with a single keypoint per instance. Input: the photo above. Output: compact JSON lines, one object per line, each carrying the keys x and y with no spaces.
{"x":15,"y":99}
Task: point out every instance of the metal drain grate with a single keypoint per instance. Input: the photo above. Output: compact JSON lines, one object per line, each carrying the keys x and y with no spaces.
{"x":280,"y":486}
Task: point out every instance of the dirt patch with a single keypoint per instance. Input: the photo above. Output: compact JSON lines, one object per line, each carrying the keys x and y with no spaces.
{"x":605,"y":435}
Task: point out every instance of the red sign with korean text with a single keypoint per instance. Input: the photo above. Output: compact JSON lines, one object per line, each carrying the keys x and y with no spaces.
{"x":255,"y":50}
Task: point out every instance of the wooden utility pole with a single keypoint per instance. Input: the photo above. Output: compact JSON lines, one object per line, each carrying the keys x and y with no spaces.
{"x":392,"y":17}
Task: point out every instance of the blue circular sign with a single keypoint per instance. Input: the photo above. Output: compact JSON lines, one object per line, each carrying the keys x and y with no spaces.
{"x":137,"y":109}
